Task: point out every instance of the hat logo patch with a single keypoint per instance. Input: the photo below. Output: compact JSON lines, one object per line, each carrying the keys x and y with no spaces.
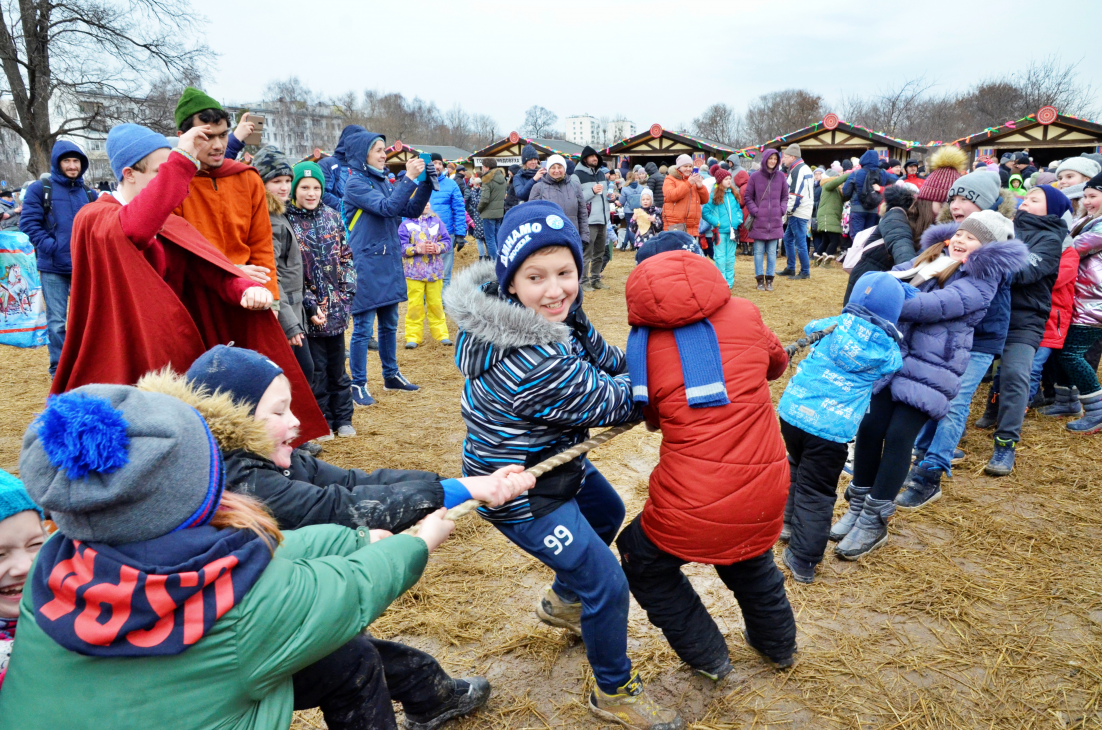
{"x":554,"y":221}
{"x":520,"y":236}
{"x":307,"y":173}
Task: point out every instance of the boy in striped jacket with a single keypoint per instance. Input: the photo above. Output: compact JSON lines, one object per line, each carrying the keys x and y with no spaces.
{"x":539,"y":376}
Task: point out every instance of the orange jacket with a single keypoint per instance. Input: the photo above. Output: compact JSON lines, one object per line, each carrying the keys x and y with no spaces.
{"x":681,"y":205}
{"x":228,"y":207}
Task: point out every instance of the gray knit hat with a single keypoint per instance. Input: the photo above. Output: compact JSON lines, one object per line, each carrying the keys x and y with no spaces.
{"x":272,"y":163}
{"x":639,"y":170}
{"x":988,"y":226}
{"x":794,"y":150}
{"x":980,"y":187}
{"x":1085,"y":166}
{"x":114,"y":464}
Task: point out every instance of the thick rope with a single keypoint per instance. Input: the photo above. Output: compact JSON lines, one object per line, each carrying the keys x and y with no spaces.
{"x":543,"y":467}
{"x":803,"y":342}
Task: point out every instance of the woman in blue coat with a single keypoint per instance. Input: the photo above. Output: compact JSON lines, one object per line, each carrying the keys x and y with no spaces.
{"x":373,"y":209}
{"x":952,"y":286}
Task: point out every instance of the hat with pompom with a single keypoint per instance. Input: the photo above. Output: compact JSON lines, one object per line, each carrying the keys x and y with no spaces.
{"x":114,"y":464}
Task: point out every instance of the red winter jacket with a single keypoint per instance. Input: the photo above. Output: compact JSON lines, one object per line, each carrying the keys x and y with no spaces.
{"x":719,"y":490}
{"x":741,"y":178}
{"x":1063,"y":300}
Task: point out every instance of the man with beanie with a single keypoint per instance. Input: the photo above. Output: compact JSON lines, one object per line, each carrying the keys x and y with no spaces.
{"x":527,"y":350}
{"x":150,"y":291}
{"x":49,"y":207}
{"x":801,"y":202}
{"x":521,"y":187}
{"x":594,"y":193}
{"x":1042,"y":224}
{"x":447,"y":203}
{"x":226,"y":202}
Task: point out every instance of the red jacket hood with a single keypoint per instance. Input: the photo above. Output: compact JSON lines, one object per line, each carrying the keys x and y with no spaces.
{"x":675,"y":289}
{"x":228,"y":168}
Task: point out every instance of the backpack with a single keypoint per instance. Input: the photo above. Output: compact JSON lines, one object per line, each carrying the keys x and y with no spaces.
{"x":48,"y":195}
{"x":867,"y":196}
{"x":857,"y":250}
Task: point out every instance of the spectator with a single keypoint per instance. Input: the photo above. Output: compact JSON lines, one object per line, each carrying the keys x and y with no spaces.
{"x":225,"y":200}
{"x":48,"y":211}
{"x":829,"y":216}
{"x":562,"y":189}
{"x":766,"y":197}
{"x":595,"y":194}
{"x":801,"y":201}
{"x":447,"y":203}
{"x":912,"y":177}
{"x":491,"y":204}
{"x":521,"y":188}
{"x":685,"y":194}
{"x":474,"y":196}
{"x":864,"y":198}
{"x":655,"y":180}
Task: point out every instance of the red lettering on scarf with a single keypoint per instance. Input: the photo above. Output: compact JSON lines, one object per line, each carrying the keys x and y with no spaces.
{"x":218,"y":572}
{"x":117,"y":597}
{"x":163,"y":605}
{"x":66,"y":577}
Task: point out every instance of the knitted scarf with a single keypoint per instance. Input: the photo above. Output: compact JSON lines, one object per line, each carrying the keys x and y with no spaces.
{"x":701,"y":364}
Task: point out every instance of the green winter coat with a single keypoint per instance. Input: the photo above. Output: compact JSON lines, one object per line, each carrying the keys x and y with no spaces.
{"x":492,"y":203}
{"x":829,"y":216}
{"x":324,"y":585}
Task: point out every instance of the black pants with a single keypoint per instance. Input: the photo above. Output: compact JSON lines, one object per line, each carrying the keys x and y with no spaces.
{"x":829,"y":243}
{"x":885,"y":440}
{"x":305,"y":359}
{"x":354,"y":685}
{"x":815,"y":465}
{"x":332,"y":386}
{"x":663,"y":591}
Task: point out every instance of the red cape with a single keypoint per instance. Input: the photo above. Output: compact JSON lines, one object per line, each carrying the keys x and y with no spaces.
{"x":125,"y":320}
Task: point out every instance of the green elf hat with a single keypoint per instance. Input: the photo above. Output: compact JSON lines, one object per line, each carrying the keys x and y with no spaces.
{"x":191,"y":102}
{"x":306,"y":169}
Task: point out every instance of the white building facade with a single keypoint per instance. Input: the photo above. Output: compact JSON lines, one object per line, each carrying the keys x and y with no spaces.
{"x":618,"y":130}
{"x":583,"y":130}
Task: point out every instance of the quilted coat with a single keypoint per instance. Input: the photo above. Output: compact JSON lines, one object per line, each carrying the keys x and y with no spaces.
{"x":718,"y":492}
{"x":768,"y":211}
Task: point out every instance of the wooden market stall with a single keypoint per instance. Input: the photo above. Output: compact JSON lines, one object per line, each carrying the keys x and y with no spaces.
{"x":507,"y":151}
{"x":1046,"y":136}
{"x":661,"y":146}
{"x":399,"y":153}
{"x":833,"y":139}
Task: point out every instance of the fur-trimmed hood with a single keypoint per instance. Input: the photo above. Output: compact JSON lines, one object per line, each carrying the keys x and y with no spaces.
{"x":231,"y":423}
{"x":994,"y":261}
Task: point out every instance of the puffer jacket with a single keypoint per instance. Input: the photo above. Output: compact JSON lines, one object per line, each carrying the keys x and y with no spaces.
{"x":335,"y":168}
{"x":937,"y":325}
{"x":1031,"y":288}
{"x":719,"y":490}
{"x":768,"y":210}
{"x":630,"y":198}
{"x":293,"y":303}
{"x":599,"y":207}
{"x":426,"y":229}
{"x":726,"y":216}
{"x":566,"y":192}
{"x":519,"y":189}
{"x":50,"y":233}
{"x":852,"y":188}
{"x":447,"y":203}
{"x":491,"y":202}
{"x":534,"y":388}
{"x":898,"y":247}
{"x":655,"y":181}
{"x":327,"y":266}
{"x":373,"y":209}
{"x":1088,"y":284}
{"x":683,"y":202}
{"x":830,"y":392}
{"x":1063,"y":300}
{"x":829,"y":216}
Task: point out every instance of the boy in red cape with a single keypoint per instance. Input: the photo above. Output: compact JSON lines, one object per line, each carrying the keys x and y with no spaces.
{"x":149,"y":290}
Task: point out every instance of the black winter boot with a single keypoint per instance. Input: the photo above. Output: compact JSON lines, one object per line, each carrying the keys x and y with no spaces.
{"x":991,"y":414}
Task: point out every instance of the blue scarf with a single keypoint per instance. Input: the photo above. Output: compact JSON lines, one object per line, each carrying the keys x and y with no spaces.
{"x":701,"y":364}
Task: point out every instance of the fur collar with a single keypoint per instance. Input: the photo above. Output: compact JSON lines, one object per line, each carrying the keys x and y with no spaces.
{"x":937,"y":233}
{"x":473,"y":303}
{"x":231,"y":424}
{"x":993,"y":261}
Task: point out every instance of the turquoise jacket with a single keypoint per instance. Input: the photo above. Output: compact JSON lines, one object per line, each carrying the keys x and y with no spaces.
{"x":726,"y":216}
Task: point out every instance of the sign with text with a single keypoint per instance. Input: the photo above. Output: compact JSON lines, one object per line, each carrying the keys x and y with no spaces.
{"x":501,"y":161}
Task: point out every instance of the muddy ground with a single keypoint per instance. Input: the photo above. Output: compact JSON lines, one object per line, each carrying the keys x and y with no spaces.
{"x":983,"y":611}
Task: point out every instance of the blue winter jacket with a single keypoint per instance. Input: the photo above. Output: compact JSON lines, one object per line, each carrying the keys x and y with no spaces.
{"x":533,"y":389}
{"x":630,"y":197}
{"x":726,"y":216}
{"x":832,"y":387}
{"x":937,"y":325}
{"x":447,"y":203}
{"x":335,"y":168}
{"x":50,"y":234}
{"x":869,"y":161}
{"x":373,"y":233}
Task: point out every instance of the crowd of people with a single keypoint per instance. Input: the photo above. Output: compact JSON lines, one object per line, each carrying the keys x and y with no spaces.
{"x":199,"y":554}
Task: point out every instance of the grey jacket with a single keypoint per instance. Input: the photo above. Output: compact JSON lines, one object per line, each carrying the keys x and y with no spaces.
{"x":567,"y":194}
{"x":288,"y":258}
{"x":599,"y":207}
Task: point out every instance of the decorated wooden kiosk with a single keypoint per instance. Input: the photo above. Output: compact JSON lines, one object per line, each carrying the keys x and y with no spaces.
{"x":661,"y":146}
{"x":399,"y":153}
{"x":507,"y":151}
{"x":832,"y":139}
{"x":1046,"y":136}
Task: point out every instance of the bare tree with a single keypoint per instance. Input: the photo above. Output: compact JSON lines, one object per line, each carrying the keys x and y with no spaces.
{"x":538,"y":121}
{"x":781,"y":112}
{"x":484,"y":131}
{"x":892,"y":110}
{"x":721,"y":123}
{"x":58,"y":50}
{"x":1050,"y":82}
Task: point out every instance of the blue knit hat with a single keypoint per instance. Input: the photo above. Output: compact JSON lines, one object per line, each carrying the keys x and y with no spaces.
{"x":129,"y":143}
{"x":244,"y":374}
{"x":527,"y":228}
{"x":880,"y":293}
{"x":13,"y":497}
{"x":1057,"y":202}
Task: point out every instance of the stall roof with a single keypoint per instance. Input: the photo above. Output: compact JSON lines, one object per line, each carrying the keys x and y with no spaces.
{"x":1063,"y":130}
{"x":831,"y":131}
{"x":544,"y":146}
{"x":450,"y":154}
{"x":660,"y":142}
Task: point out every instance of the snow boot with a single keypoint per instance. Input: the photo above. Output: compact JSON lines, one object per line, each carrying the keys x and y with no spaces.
{"x":761,"y":282}
{"x":991,"y":413}
{"x":769,"y":283}
{"x":1002,"y":459}
{"x":870,"y":532}
{"x":922,"y":487}
{"x":802,"y":571}
{"x":1091,"y":422}
{"x":631,"y":707}
{"x":554,"y":611}
{"x":469,"y":694}
{"x":1067,"y":403}
{"x":775,"y":662}
{"x":717,"y":673}
{"x":842,"y":527}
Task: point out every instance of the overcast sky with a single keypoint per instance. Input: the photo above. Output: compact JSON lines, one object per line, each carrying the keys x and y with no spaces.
{"x":649,"y":60}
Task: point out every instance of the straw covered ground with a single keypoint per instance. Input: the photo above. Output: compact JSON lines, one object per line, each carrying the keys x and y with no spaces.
{"x":983,"y":611}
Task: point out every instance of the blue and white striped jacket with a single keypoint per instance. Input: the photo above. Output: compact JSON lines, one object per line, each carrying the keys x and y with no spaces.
{"x":534,"y":389}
